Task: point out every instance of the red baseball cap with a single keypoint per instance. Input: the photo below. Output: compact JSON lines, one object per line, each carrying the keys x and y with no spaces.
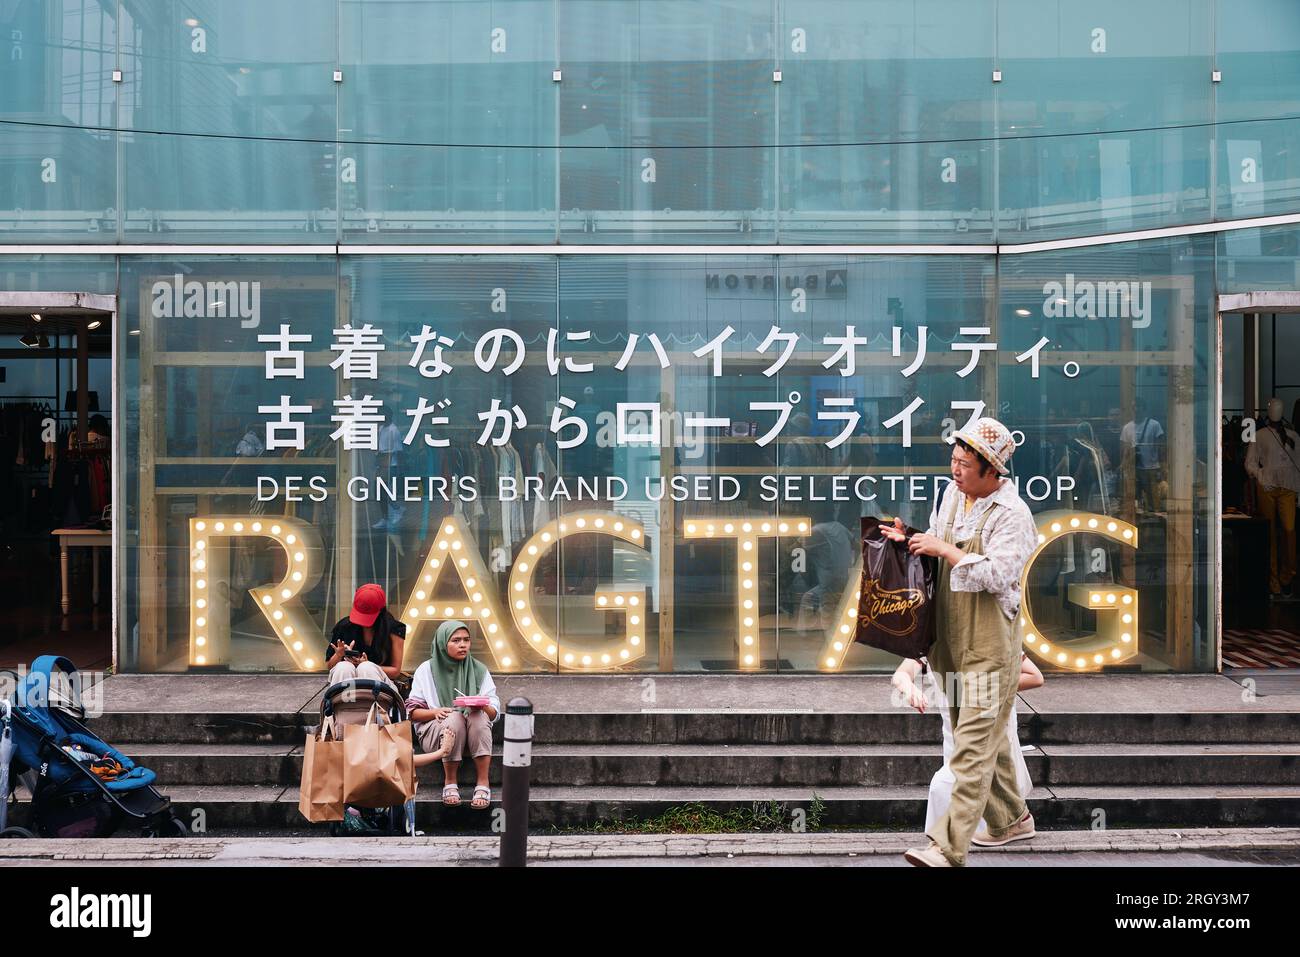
{"x":367,"y":603}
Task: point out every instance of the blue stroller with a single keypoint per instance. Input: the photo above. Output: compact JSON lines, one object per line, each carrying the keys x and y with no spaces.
{"x":80,"y":786}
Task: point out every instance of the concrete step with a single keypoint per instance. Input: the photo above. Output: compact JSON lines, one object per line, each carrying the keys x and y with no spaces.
{"x":613,"y":765}
{"x":1158,"y":765}
{"x":717,"y":727}
{"x":274,"y":810}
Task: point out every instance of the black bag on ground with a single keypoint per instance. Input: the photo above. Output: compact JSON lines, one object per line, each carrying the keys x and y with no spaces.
{"x":896,"y":601}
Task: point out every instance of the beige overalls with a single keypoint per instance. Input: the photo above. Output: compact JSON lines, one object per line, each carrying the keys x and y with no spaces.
{"x":976,"y":659}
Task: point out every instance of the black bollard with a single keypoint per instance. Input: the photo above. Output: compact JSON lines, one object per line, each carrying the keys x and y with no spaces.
{"x":516,"y":755}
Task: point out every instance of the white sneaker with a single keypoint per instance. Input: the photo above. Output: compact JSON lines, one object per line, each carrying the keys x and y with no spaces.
{"x":927,"y":857}
{"x":1022,"y":830}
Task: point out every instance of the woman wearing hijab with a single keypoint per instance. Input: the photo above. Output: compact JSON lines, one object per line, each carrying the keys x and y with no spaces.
{"x":452,"y":672}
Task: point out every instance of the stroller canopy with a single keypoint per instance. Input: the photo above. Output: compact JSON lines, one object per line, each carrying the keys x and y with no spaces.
{"x":40,"y":732}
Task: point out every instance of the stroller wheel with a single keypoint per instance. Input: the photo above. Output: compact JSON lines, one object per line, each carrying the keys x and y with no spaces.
{"x":16,"y":832}
{"x":169,"y":827}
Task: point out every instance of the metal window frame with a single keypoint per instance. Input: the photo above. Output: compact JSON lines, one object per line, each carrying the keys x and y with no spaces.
{"x":645,"y":249}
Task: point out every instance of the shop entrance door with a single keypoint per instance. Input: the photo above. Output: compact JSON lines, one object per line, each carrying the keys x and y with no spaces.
{"x":1259,"y":457}
{"x":56,"y":477}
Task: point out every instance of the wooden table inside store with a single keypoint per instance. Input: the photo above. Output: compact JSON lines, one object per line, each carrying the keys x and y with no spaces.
{"x":92,"y":538}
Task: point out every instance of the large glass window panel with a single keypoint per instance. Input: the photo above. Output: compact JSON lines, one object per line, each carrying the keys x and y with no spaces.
{"x":667,"y":116}
{"x":450,"y":549}
{"x":1133,"y":81}
{"x":51,"y":273}
{"x":914,"y":79}
{"x":1255,"y":260}
{"x":689,"y":458}
{"x":233,"y":105}
{"x":1258,"y":101}
{"x":58,"y":164}
{"x":837,"y":461}
{"x":192,"y":380}
{"x":1132,"y":431}
{"x":473,"y":76}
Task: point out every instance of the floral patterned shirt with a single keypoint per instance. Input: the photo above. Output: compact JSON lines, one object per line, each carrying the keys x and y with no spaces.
{"x":1010,"y":536}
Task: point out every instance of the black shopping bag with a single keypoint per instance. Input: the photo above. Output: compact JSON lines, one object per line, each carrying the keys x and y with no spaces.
{"x":896,"y":601}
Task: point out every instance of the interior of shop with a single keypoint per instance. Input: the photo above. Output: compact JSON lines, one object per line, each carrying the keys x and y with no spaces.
{"x":55,"y":480}
{"x":1261,"y":474}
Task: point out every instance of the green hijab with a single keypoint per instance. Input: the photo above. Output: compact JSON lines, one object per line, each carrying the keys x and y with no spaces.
{"x":450,"y":674}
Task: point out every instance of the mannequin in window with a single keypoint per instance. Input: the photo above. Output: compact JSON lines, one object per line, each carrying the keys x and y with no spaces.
{"x":389,"y":465}
{"x":1273,"y":461}
{"x":1144,"y":439}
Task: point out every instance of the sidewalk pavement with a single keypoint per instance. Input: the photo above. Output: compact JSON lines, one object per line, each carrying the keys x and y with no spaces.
{"x":1053,"y":848}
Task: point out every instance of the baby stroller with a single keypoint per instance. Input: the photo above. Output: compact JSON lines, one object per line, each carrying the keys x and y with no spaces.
{"x":80,"y":786}
{"x":349,"y":702}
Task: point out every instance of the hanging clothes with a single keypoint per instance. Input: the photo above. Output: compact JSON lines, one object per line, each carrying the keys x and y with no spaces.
{"x":99,"y":486}
{"x":512,"y":510}
{"x":429,"y":509}
{"x":544,"y":468}
{"x":478,"y":468}
{"x":71,"y":493}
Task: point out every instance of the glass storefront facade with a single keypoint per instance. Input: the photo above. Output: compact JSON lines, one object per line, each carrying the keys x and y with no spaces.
{"x":426,"y":193}
{"x":666,"y":125}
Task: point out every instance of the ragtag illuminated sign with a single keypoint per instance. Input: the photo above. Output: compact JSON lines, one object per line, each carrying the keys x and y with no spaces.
{"x":512,"y":621}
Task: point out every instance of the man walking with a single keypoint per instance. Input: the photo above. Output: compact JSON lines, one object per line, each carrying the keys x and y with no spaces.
{"x":982,"y":532}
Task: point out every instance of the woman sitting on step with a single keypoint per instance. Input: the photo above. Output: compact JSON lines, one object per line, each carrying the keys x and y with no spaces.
{"x":452,"y":672}
{"x":368,"y":643}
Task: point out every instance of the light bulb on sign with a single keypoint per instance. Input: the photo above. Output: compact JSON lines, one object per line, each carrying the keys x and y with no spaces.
{"x":469,"y":570}
{"x":747,"y":537}
{"x":277,"y":602}
{"x":571,"y":651}
{"x":1110,"y":643}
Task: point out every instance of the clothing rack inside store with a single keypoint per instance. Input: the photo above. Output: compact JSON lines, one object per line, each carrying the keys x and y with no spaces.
{"x":81,"y":450}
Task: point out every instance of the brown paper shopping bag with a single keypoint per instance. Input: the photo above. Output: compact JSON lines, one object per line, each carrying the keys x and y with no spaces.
{"x":320,"y":794}
{"x":378,"y":762}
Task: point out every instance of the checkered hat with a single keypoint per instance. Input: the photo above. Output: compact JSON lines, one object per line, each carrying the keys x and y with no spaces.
{"x":991,"y":439}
